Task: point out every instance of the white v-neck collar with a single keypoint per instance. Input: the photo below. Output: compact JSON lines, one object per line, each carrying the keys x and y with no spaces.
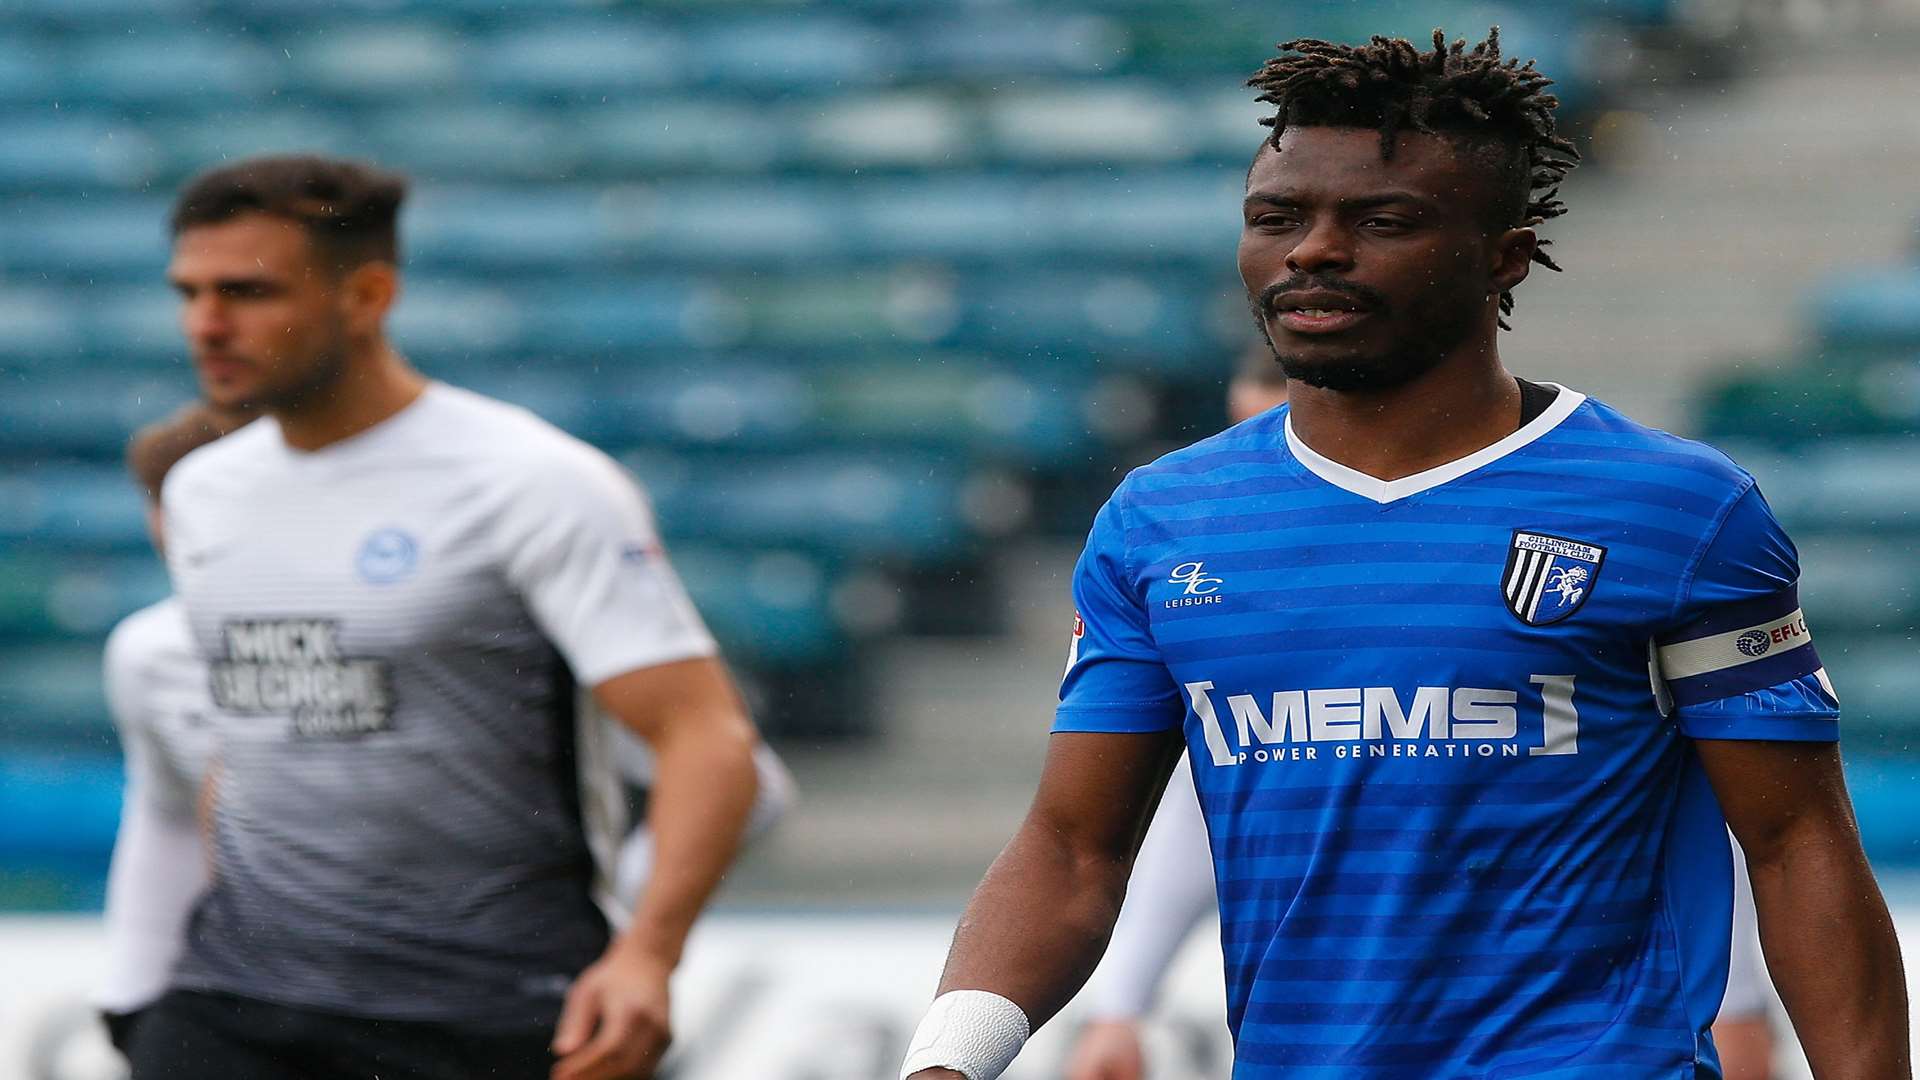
{"x":1386,"y":491}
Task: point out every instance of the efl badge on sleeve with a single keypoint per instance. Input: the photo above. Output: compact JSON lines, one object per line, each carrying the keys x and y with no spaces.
{"x":1549,"y":577}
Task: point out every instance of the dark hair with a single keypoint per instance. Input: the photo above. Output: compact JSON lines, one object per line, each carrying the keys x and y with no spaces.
{"x":350,"y":209}
{"x":1501,"y":105}
{"x":155,"y":449}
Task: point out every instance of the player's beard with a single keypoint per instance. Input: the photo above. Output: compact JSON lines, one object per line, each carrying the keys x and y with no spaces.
{"x":1441,"y":323}
{"x":316,"y":381}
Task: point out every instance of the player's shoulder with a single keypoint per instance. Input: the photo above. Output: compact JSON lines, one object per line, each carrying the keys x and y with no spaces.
{"x":1629,"y":447}
{"x":516,"y":445}
{"x":230,"y":462}
{"x":147,"y":643}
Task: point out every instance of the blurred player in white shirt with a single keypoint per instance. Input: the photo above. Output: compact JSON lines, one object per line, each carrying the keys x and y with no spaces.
{"x":157,"y":691}
{"x":1171,"y":891}
{"x":398,"y":586}
{"x":156,"y":688}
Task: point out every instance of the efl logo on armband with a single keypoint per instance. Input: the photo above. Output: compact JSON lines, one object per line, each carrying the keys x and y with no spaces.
{"x":1710,"y":659}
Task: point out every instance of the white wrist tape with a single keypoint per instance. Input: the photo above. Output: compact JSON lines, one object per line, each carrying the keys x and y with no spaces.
{"x":973,"y":1032}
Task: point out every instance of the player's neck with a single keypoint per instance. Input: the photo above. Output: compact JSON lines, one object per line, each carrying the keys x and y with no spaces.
{"x":375,"y":385}
{"x":1460,"y":407}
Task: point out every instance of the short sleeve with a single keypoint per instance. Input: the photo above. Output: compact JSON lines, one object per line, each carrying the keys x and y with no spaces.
{"x":580,"y":548}
{"x":1115,"y":678}
{"x":1738,"y":660}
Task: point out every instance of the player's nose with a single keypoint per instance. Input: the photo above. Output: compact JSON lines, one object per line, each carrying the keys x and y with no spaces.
{"x":204,"y":320}
{"x":1323,"y":247}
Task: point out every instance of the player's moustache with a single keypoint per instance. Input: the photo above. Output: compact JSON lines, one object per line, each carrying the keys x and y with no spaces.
{"x":1369,"y":298}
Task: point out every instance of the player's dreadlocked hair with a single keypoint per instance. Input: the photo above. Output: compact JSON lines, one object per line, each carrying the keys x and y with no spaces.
{"x":1390,"y":85}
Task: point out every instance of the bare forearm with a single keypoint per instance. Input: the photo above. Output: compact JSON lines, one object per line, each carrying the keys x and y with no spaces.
{"x":1831,"y":950}
{"x":698,"y":812}
{"x":1036,"y":926}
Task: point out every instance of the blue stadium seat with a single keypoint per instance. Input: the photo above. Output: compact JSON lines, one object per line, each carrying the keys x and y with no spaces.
{"x":135,"y":325}
{"x":49,"y":152}
{"x":53,"y":593}
{"x":203,"y":143}
{"x":973,"y":216}
{"x":611,"y":315}
{"x":678,"y":133}
{"x":926,"y":129}
{"x":86,"y":238}
{"x":43,"y":328}
{"x":82,"y":413}
{"x":106,"y":16}
{"x":173,"y":65}
{"x":1110,"y":121}
{"x":739,"y":405}
{"x":1182,"y":213}
{"x":767,"y":606}
{"x":1878,"y":684}
{"x":732,"y":220}
{"x":854,"y":505}
{"x":456,"y":225}
{"x":29,"y":68}
{"x":379,"y":59}
{"x":1879,"y":306}
{"x":1860,"y":581}
{"x":87,"y":506}
{"x":50,"y":694}
{"x":1112,"y":315}
{"x":1843,"y":485}
{"x":1032,"y":42}
{"x":799,"y":51}
{"x":595,"y":58}
{"x":464,"y":142}
{"x":451,"y":320}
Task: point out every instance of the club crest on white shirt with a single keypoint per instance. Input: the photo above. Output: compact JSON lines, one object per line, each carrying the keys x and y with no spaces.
{"x":1548,"y":578}
{"x":387,"y":556}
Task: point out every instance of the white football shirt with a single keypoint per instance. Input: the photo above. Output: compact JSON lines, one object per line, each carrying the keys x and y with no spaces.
{"x":409,"y":823}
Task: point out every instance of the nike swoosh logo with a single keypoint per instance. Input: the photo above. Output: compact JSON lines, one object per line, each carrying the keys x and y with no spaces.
{"x":207,"y":555}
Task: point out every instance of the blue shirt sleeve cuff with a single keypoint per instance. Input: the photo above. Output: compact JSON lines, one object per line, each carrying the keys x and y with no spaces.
{"x":1807,"y":727}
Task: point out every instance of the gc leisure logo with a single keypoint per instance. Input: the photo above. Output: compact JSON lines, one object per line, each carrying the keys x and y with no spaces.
{"x":1198,"y":587}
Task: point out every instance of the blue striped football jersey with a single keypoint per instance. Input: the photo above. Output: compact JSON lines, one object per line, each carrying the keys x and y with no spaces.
{"x":1442,"y":728}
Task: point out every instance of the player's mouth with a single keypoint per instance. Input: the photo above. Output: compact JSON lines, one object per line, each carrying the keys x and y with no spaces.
{"x":1318,"y":312}
{"x":221,"y":368}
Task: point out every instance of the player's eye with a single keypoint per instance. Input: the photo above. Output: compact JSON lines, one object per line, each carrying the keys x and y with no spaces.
{"x":1385,"y":224}
{"x":1275,"y":221}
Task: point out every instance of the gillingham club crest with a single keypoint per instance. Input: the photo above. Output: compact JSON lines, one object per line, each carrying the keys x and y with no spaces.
{"x":1549,"y":577}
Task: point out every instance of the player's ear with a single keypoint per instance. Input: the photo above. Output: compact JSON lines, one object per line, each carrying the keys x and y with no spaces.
{"x":1512,"y":258}
{"x":370,"y":290}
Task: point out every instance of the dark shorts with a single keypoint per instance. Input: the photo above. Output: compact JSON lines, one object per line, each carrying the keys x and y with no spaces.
{"x":189,"y":1035}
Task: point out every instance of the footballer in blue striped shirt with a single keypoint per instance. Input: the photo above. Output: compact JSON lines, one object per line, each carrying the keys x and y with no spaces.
{"x":1474,"y":672}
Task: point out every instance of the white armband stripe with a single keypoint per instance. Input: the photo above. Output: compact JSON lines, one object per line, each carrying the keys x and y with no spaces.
{"x":1702,"y":656}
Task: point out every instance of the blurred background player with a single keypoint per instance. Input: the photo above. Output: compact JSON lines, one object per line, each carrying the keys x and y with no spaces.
{"x":397,"y":585}
{"x":157,"y":689}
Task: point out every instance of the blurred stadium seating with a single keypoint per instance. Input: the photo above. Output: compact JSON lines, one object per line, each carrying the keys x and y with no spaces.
{"x":861,"y":291}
